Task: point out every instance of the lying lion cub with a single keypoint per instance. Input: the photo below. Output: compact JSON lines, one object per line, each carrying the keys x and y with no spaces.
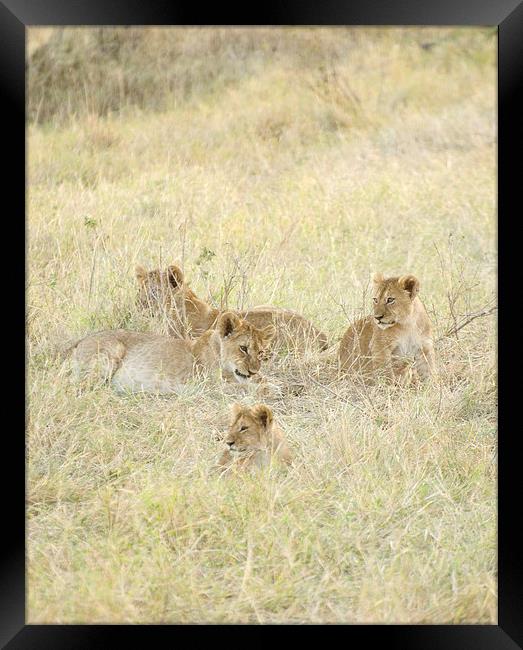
{"x":253,"y":440}
{"x":168,"y":292}
{"x":144,"y":362}
{"x":398,"y":330}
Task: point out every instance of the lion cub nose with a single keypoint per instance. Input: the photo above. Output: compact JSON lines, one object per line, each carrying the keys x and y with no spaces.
{"x":230,"y":442}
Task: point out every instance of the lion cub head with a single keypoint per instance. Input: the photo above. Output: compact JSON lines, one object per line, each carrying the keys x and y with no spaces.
{"x":393,"y":299}
{"x":243,"y":346}
{"x":157,"y":288}
{"x":250,"y":428}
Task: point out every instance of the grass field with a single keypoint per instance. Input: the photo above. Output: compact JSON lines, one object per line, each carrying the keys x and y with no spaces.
{"x":276,"y":166}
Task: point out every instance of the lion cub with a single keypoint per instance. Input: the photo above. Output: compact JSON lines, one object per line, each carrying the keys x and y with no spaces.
{"x":144,"y":362}
{"x":168,"y":292}
{"x":398,"y":330}
{"x":254,"y":440}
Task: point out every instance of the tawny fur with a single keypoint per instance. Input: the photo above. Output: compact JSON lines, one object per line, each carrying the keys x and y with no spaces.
{"x":152,"y":363}
{"x":168,"y":292}
{"x":398,"y":332}
{"x":254,"y":440}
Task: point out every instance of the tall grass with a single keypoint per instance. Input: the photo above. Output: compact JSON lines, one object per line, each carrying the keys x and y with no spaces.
{"x":277,"y":166}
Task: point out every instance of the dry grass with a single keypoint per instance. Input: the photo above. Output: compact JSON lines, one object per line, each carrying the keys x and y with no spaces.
{"x":281,"y":178}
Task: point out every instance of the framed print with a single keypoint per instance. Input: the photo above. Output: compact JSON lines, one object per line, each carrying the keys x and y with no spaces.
{"x":262,"y":361}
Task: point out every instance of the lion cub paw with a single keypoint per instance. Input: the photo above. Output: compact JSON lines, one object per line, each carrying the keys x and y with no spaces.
{"x":267,"y":389}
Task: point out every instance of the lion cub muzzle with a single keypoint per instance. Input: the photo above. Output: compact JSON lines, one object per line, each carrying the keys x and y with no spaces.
{"x":382,"y":324}
{"x":244,"y":376}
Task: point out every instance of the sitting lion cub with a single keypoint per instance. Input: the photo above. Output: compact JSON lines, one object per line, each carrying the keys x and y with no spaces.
{"x":168,"y":292}
{"x":398,"y":330}
{"x":144,"y":362}
{"x":253,"y":440}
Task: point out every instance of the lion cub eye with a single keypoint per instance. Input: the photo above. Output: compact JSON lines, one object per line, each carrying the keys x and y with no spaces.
{"x":375,"y":301}
{"x":244,"y":428}
{"x":390,"y":300}
{"x":243,"y":348}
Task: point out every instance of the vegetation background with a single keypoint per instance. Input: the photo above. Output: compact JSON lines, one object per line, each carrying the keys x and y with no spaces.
{"x":281,"y":166}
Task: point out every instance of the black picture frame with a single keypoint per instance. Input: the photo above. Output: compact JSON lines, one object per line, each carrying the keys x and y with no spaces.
{"x":507,"y":15}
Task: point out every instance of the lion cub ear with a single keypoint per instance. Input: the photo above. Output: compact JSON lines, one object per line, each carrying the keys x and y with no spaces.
{"x":141,"y":273}
{"x":410,"y":283}
{"x":268,"y":333}
{"x":378,"y":278}
{"x":236,"y":410}
{"x":227,"y":324}
{"x":263,"y":415}
{"x":175,"y":275}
